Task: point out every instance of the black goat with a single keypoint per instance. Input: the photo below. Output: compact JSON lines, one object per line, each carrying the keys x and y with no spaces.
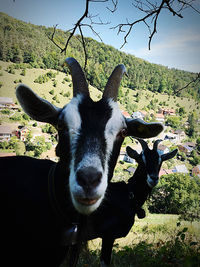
{"x":116,"y":215}
{"x":48,"y":198}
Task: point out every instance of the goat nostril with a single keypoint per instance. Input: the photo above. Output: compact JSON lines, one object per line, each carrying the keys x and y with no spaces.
{"x":89,"y":177}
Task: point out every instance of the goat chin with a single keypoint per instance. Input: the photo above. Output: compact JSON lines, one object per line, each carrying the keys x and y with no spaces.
{"x":151,"y":183}
{"x":85,"y":208}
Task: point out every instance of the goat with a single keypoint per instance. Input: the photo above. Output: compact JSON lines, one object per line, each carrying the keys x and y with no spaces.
{"x":116,"y":216}
{"x":50,"y":199}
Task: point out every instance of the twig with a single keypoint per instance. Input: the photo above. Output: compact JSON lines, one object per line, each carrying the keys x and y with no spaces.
{"x":193,"y":81}
{"x":115,"y":3}
{"x":152,"y":10}
{"x":79,"y":26}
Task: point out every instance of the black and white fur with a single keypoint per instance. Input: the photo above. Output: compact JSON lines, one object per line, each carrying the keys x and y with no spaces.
{"x":116,"y":216}
{"x":90,"y":134}
{"x":42,"y":200}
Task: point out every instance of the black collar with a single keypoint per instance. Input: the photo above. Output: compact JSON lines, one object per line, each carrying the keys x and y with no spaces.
{"x":68,"y":217}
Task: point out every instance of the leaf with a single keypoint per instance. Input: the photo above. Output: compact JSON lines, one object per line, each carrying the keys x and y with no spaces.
{"x":182,"y":237}
{"x":184,"y":229}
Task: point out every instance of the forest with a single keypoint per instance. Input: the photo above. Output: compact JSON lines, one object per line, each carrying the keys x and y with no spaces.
{"x":22,"y":42}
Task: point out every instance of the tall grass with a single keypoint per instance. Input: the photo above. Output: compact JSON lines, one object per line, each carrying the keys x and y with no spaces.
{"x":159,"y":240}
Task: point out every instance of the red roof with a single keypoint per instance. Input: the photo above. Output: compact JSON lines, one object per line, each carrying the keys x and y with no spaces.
{"x":126,"y":114}
{"x":164,"y":172}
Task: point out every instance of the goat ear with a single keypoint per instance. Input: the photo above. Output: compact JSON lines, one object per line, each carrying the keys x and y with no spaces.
{"x":169,"y":155}
{"x":37,"y":108}
{"x":132,"y":153}
{"x":142,"y":129}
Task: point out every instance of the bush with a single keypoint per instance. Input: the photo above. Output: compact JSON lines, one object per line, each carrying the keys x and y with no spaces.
{"x":176,"y":194}
{"x":23,"y":73}
{"x":16,"y":118}
{"x":51,"y":92}
{"x":5,"y":111}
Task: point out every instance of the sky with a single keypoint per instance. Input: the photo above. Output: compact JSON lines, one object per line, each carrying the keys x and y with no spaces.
{"x":176,"y":43}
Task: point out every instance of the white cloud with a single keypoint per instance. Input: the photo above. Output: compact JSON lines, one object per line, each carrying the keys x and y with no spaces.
{"x":178,"y":49}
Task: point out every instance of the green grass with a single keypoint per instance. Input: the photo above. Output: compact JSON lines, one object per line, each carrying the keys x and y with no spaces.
{"x":153,"y":241}
{"x":8,"y":89}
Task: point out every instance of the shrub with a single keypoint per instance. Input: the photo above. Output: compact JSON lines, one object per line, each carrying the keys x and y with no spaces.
{"x":51,"y":92}
{"x":23,"y":73}
{"x":5,"y":111}
{"x":176,"y":194}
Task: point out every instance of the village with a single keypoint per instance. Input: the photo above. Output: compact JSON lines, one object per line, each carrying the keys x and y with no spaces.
{"x":34,"y":131}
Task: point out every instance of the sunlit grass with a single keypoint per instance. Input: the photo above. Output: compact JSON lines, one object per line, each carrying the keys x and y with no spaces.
{"x":153,"y":241}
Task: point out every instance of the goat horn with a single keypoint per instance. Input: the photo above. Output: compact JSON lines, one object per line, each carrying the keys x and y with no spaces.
{"x":80,"y":85}
{"x":142,"y":143}
{"x":155,"y":145}
{"x":113,"y":83}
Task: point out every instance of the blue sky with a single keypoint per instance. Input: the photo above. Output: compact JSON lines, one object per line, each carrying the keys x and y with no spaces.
{"x":176,"y":44}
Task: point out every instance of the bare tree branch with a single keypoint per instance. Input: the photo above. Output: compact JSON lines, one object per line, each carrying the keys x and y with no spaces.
{"x":152,"y":10}
{"x":193,"y":81}
{"x":79,"y":26}
{"x":115,"y":3}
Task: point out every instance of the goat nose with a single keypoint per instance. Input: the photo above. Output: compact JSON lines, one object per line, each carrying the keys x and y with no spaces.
{"x":89,"y":177}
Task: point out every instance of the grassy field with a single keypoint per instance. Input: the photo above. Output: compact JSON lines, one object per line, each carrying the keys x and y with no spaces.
{"x":8,"y":89}
{"x":153,"y":241}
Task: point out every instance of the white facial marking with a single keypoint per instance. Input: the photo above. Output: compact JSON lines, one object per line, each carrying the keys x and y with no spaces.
{"x":113,"y":126}
{"x":90,"y":159}
{"x":77,"y":190}
{"x":73,"y":119}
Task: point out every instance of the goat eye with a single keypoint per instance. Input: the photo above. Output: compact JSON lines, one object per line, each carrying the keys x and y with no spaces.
{"x":60,"y":125}
{"x":123,"y":133}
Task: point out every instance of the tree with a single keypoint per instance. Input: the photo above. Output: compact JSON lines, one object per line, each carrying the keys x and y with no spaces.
{"x":198,"y":144}
{"x":192,"y":124}
{"x":20,"y":148}
{"x":174,"y":121}
{"x":176,"y":194}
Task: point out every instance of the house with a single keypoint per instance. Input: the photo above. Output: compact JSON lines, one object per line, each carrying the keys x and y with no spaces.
{"x":124,"y":157}
{"x":180,"y":135}
{"x":164,"y":111}
{"x":191,"y":144}
{"x":2,"y":154}
{"x":131,"y":170}
{"x":162,"y":149}
{"x":22,"y":133}
{"x":165,"y":172}
{"x":180,"y":169}
{"x":196,"y":171}
{"x":128,"y":159}
{"x":185,"y":149}
{"x":138,"y":115}
{"x":6,"y":102}
{"x":159,"y":117}
{"x":5,"y":133}
{"x":171,"y":137}
{"x":126,"y":114}
{"x":144,"y":113}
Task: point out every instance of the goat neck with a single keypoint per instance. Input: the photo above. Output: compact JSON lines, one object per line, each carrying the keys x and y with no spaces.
{"x":138,"y":185}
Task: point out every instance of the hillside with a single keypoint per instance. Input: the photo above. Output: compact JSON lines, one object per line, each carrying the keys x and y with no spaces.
{"x":24,"y":42}
{"x":130,"y":100}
